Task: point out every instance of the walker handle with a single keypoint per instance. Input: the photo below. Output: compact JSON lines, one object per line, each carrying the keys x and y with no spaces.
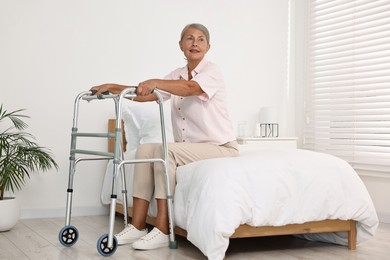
{"x":100,"y":96}
{"x":93,"y":92}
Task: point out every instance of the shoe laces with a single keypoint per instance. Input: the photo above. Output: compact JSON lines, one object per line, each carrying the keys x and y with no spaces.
{"x":127,"y":229}
{"x":152,"y":234}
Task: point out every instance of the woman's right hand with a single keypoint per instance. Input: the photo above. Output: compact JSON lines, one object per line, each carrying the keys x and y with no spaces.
{"x":103,"y":88}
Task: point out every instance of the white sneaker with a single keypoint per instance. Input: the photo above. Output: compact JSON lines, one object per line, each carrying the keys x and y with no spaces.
{"x":130,"y":234}
{"x":154,"y":239}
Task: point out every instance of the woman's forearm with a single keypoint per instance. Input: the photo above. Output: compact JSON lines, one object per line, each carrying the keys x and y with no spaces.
{"x":145,"y":89}
{"x":109,"y":87}
{"x":117,"y":89}
{"x":177,"y":87}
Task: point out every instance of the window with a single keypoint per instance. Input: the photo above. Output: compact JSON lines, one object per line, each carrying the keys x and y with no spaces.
{"x":347,"y":98}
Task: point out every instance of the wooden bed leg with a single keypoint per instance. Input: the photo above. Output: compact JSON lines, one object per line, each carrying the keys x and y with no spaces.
{"x":352,"y":236}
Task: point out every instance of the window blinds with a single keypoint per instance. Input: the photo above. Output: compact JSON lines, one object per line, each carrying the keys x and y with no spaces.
{"x":347,"y":98}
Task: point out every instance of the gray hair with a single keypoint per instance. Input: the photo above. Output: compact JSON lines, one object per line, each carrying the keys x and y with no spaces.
{"x":198,"y":26}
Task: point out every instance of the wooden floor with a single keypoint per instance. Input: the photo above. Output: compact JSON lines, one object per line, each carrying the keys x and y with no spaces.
{"x":38,"y":239}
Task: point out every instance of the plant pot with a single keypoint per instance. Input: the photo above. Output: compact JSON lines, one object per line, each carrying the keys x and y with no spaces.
{"x":10,"y":213}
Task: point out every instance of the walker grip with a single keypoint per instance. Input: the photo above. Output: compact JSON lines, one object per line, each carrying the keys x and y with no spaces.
{"x":93,"y":92}
{"x":100,"y":96}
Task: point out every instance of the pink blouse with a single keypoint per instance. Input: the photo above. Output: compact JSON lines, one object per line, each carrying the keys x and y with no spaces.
{"x":203,"y":118}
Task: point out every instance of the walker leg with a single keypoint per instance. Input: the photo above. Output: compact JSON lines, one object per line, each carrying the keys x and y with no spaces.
{"x":68,"y":206}
{"x":124,"y":196}
{"x":69,"y":194}
{"x":111,"y":221}
{"x":172,"y":240}
{"x":107,"y":243}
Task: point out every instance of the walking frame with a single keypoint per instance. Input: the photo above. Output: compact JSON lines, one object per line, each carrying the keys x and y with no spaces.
{"x":107,"y":243}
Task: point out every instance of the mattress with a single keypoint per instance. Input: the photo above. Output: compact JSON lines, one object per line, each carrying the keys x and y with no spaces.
{"x":269,"y":187}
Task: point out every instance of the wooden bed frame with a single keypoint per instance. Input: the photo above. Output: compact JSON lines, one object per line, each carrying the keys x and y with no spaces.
{"x":245,"y":230}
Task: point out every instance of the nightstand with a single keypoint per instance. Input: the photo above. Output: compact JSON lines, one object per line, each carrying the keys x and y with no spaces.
{"x":272,"y":142}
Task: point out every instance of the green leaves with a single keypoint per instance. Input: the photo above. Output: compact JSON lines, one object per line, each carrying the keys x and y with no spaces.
{"x":15,"y":117}
{"x":19,"y":154}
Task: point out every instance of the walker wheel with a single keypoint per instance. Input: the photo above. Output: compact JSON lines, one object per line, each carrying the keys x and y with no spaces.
{"x":102,"y":245}
{"x":68,"y":236}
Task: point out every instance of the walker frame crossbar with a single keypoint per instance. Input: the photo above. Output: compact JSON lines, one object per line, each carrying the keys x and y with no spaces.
{"x":107,"y":243}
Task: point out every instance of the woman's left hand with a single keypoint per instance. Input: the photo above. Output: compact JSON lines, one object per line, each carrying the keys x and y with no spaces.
{"x":146,"y":88}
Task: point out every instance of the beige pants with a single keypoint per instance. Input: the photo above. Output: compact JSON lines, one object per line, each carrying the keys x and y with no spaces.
{"x":149,"y":178}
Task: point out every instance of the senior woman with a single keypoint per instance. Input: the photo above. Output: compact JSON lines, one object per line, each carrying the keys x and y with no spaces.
{"x":201,"y":126}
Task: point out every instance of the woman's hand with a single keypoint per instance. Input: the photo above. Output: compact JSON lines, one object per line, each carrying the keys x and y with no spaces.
{"x":146,"y":88}
{"x":103,"y":88}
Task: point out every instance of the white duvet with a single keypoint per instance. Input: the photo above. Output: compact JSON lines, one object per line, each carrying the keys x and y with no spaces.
{"x":268,"y":188}
{"x":263,"y":188}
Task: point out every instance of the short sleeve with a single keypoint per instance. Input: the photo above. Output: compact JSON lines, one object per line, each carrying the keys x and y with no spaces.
{"x":209,"y":78}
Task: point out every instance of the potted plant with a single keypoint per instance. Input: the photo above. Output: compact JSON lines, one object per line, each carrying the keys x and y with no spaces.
{"x":19,"y":155}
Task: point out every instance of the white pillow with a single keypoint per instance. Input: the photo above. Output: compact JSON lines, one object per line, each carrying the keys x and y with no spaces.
{"x":142,"y":123}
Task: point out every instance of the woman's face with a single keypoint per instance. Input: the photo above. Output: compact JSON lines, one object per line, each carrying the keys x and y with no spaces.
{"x":194,"y":45}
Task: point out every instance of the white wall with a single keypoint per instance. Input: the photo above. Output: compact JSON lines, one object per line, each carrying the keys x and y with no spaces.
{"x":51,"y":50}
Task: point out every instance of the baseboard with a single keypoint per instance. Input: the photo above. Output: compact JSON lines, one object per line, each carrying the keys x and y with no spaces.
{"x":53,"y":213}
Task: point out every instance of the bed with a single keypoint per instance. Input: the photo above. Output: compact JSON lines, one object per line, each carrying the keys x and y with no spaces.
{"x":263,"y":192}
